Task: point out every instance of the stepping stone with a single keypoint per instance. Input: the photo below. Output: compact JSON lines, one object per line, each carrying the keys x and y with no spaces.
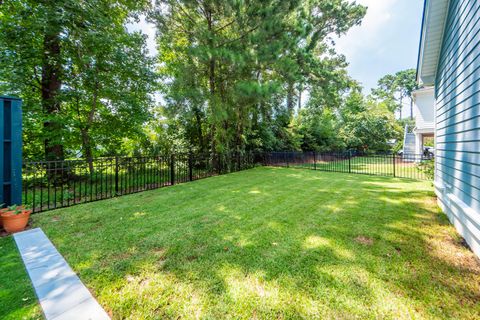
{"x":61,"y":293}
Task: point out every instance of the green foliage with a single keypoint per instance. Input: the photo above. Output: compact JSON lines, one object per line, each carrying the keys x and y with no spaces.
{"x":15,"y":209}
{"x":232,"y":76}
{"x":429,"y":141}
{"x":366,"y":124}
{"x":234,"y":71}
{"x":427,"y":167}
{"x":394,"y":88}
{"x":319,"y":130}
{"x":85,"y":80}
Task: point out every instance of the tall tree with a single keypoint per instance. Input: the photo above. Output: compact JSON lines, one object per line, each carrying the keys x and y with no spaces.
{"x":228,"y":65}
{"x":395,"y":88}
{"x":407,"y":83}
{"x":365,"y":124}
{"x":78,"y":69}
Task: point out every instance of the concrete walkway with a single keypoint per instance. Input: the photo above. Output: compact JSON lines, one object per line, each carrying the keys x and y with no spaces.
{"x":61,"y":293}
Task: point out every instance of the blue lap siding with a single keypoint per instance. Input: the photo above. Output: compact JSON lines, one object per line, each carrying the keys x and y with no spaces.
{"x":458,"y":106}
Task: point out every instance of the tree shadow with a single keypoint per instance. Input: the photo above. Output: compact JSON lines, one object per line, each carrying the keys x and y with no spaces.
{"x":273,"y":242}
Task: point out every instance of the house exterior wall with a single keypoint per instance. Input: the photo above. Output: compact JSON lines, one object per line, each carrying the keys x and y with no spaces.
{"x":424,"y":110}
{"x":418,"y":143}
{"x":457,"y":117}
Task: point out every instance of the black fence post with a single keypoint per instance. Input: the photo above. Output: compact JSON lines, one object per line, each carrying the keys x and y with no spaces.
{"x":48,"y":184}
{"x":172,"y":170}
{"x":190,"y":167}
{"x":349,"y":162}
{"x":394,"y":173}
{"x":116,"y":176}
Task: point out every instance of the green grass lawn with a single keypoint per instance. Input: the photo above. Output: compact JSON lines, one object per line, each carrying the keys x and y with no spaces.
{"x":372,"y":165}
{"x":270,"y":243}
{"x":17,"y":298}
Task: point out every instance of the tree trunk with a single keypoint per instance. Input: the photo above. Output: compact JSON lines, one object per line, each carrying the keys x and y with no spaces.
{"x":290,"y":98}
{"x":211,"y":82}
{"x":87,"y":149}
{"x":51,"y":84}
{"x":198,"y":121}
{"x":299,"y":99}
{"x":211,"y":76}
{"x":86,"y":141}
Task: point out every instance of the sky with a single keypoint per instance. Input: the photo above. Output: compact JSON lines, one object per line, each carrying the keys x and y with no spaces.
{"x":386,"y":42}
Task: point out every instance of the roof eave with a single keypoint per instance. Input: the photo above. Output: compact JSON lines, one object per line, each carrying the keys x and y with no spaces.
{"x":420,"y":51}
{"x":433,"y":25}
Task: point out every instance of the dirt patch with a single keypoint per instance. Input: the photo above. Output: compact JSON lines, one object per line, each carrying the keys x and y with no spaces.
{"x":145,"y":282}
{"x":159,"y":251}
{"x":454,"y":251}
{"x":161,"y":255}
{"x":192,"y":258}
{"x":366,"y":241}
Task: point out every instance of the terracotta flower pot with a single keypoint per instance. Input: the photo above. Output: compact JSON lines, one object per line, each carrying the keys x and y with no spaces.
{"x":3,"y":210}
{"x":15,"y":222}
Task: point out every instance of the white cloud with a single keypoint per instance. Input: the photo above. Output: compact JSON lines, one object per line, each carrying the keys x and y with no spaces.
{"x":378,"y":15}
{"x":386,"y":41}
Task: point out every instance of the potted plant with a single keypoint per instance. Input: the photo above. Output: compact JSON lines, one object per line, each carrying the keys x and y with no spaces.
{"x":15,"y":218}
{"x":2,"y":210}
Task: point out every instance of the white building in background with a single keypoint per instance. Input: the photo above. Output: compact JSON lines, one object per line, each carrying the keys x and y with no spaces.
{"x":424,"y":113}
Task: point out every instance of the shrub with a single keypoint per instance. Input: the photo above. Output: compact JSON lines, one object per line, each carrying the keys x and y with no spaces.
{"x":427,"y":167}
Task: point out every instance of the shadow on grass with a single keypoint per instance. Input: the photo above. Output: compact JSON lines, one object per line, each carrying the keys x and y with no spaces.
{"x":17,"y":298}
{"x":271,"y":242}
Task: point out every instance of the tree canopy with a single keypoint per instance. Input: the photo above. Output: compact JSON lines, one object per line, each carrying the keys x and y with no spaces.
{"x":230,"y":76}
{"x":79,"y":72}
{"x":393,"y":89}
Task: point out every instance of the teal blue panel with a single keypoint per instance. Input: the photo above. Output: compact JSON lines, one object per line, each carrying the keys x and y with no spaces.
{"x":1,"y":150}
{"x":10,"y":150}
{"x":16,"y":152}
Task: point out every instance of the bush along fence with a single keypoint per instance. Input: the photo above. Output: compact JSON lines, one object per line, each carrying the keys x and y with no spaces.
{"x":55,"y":184}
{"x":411,"y":166}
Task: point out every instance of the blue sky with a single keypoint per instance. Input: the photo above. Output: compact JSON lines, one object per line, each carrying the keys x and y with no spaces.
{"x":386,"y":42}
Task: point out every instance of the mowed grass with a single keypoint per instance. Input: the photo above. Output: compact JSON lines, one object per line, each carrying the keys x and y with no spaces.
{"x":370,"y":165}
{"x":17,"y":298}
{"x":271,"y":243}
{"x":379,"y":165}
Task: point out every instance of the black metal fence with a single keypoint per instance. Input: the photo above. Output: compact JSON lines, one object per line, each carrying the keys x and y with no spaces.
{"x":410,"y":166}
{"x":55,"y":184}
